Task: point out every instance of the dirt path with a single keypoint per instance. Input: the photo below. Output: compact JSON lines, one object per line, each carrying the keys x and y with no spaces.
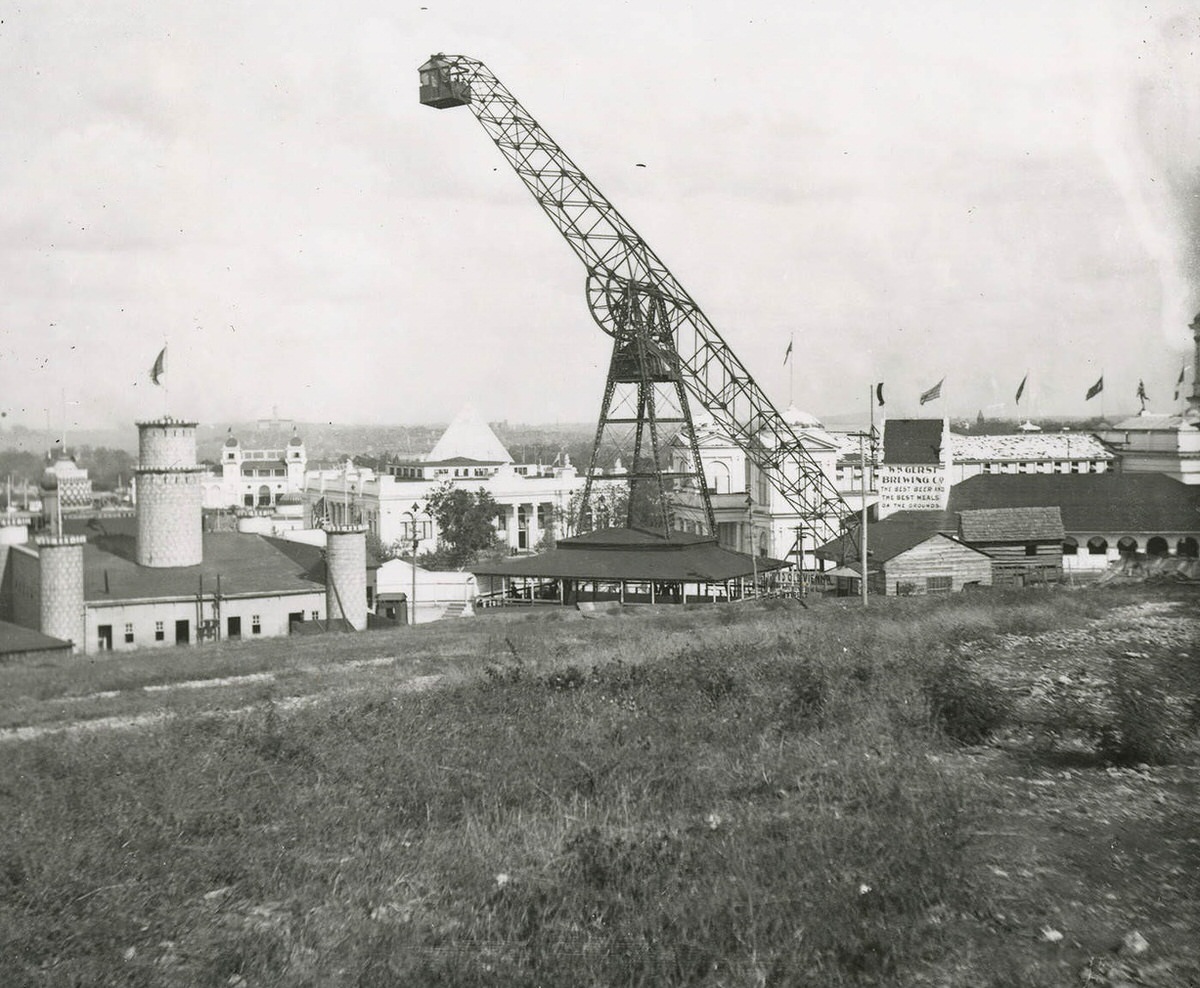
{"x":133,"y":721}
{"x":1088,"y":872}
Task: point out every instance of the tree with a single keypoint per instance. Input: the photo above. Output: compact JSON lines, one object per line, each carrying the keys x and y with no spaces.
{"x":382,"y":550}
{"x":466,"y":522}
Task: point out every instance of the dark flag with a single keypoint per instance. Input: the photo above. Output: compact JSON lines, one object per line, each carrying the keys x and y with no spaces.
{"x":879,"y":393}
{"x":1095,"y":389}
{"x":160,"y":366}
{"x":933,"y":393}
{"x":1179,"y":383}
{"x":1021,"y":388}
{"x":788,"y":352}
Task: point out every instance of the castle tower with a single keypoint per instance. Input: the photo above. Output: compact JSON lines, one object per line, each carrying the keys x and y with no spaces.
{"x":346,"y":574}
{"x":169,"y":496}
{"x":60,"y":567}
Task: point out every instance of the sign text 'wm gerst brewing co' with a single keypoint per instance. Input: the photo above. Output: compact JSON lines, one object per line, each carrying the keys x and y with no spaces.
{"x":912,"y":487}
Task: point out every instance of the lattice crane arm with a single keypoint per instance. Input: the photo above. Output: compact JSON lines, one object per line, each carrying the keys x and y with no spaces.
{"x":621,"y":265}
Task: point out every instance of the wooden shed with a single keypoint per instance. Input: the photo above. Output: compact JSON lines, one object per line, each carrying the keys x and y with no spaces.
{"x":907,"y":559}
{"x":1026,"y":544}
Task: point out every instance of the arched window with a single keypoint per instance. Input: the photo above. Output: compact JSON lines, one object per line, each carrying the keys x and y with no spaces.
{"x":1127,"y":544}
{"x":264,"y":496}
{"x":1070,"y":546}
{"x":718,"y":477}
{"x":1188,"y":548}
{"x":1157,"y":546}
{"x":1097,"y":546}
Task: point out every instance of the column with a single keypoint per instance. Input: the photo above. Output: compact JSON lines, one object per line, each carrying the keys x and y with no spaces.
{"x":535,"y":530}
{"x":514,"y":526}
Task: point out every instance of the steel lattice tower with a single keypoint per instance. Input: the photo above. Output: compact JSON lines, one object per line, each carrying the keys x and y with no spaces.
{"x":664,"y":347}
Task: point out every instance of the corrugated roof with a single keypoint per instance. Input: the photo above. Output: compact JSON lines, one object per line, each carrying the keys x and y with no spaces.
{"x":246,"y":564}
{"x":1103,"y":502}
{"x":912,"y":441}
{"x":629,"y":554}
{"x":1011,"y":525}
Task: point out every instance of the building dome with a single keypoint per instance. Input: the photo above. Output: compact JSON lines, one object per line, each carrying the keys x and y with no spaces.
{"x":295,"y":440}
{"x":49,"y":481}
{"x":804,"y":420}
{"x":232,"y":440}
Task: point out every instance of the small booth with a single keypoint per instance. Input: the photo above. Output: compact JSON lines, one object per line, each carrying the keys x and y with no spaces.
{"x":444,"y":84}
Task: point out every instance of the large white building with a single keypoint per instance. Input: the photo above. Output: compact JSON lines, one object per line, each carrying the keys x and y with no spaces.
{"x":535,"y":500}
{"x":255,"y":478}
{"x":752,"y":516}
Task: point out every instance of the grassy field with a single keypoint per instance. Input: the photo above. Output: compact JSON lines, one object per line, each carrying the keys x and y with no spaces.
{"x":994,"y":790}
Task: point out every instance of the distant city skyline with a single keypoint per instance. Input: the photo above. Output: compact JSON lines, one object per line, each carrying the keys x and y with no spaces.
{"x":910,"y":191}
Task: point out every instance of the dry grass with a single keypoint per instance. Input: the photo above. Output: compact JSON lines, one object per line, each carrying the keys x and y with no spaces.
{"x":704,"y":797}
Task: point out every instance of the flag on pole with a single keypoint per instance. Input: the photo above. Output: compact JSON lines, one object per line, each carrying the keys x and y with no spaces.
{"x":788,"y":352}
{"x":160,"y":367}
{"x":1179,"y":383}
{"x":1021,"y":388}
{"x":1095,"y":389}
{"x":933,"y":393}
{"x":879,"y":393}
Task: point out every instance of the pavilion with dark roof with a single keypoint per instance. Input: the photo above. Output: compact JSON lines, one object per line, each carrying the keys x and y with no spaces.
{"x":630,"y":566}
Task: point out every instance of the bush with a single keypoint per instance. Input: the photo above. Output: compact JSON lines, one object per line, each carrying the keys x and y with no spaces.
{"x":964,"y":706}
{"x":1143,"y":725}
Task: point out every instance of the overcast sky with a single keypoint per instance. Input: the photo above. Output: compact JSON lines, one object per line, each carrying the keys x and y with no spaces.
{"x":914,"y":190}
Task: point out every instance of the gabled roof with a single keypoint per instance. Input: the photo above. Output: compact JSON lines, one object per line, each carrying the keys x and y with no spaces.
{"x":470,"y":437}
{"x":912,"y":440}
{"x":893,"y":535}
{"x":1099,"y":502}
{"x":1011,"y":525}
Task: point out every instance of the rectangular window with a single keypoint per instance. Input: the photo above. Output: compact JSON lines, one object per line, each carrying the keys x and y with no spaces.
{"x":128,"y":634}
{"x":316,"y":615}
{"x":938,"y":584}
{"x":159,"y":634}
{"x":1031,"y":548}
{"x":255,"y":624}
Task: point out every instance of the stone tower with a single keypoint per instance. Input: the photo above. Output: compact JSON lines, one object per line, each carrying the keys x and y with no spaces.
{"x":169,"y":496}
{"x":346,"y":574}
{"x":60,"y":566}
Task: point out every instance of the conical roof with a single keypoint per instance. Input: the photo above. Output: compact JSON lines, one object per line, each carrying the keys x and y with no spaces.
{"x":469,"y":437}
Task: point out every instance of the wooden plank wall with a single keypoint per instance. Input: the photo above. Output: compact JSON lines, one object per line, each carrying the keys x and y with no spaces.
{"x":937,"y":557}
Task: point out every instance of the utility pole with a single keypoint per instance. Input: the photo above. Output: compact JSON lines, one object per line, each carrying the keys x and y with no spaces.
{"x":862,"y":455}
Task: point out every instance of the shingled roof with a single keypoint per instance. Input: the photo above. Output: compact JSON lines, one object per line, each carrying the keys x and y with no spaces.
{"x":1011,"y":525}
